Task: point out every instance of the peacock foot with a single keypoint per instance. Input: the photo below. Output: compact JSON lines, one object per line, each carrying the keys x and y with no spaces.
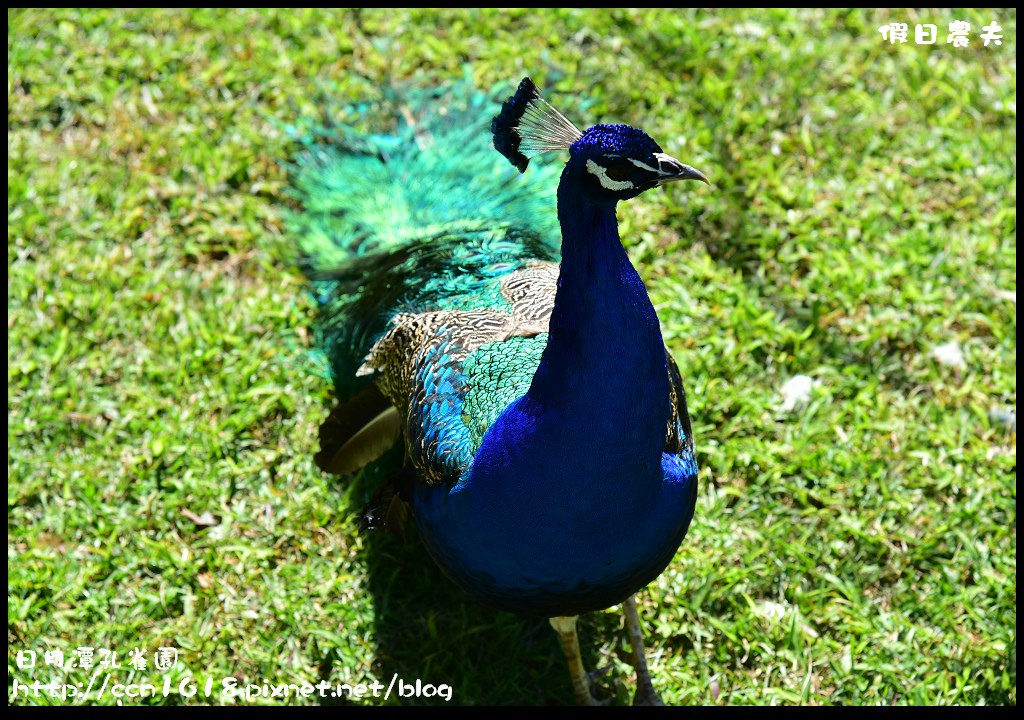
{"x":592,"y":677}
{"x":582,"y":681}
{"x":589,"y":699}
{"x":647,"y":696}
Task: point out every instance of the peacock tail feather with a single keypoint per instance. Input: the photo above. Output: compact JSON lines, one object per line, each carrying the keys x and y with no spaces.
{"x":433,"y":264}
{"x":423,"y":217}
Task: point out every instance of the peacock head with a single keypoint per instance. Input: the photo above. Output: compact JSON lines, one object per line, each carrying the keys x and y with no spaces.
{"x":618,"y":162}
{"x":608,"y":162}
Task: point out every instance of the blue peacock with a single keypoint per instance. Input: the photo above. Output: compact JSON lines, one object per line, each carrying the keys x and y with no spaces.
{"x":509,"y":343}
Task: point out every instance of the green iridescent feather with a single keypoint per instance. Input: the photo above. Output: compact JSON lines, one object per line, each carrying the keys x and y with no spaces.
{"x":423,"y":216}
{"x":498,"y":373}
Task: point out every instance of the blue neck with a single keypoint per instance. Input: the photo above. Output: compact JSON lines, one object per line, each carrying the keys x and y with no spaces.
{"x":603,"y":375}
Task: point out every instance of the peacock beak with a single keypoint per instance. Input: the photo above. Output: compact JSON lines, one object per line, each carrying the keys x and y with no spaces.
{"x":671,"y":170}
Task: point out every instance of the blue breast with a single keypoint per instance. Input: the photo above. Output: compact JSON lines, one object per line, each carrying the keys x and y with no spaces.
{"x":528,"y":541}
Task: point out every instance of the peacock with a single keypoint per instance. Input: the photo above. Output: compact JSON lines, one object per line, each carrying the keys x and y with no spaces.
{"x":495,"y":325}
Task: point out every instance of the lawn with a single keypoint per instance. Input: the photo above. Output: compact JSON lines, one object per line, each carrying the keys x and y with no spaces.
{"x":164,"y":396}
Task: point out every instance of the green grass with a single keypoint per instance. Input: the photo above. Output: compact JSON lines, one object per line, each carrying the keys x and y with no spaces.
{"x":864,"y":211}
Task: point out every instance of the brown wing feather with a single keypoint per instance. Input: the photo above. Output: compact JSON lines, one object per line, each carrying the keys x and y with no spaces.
{"x":679,"y":435}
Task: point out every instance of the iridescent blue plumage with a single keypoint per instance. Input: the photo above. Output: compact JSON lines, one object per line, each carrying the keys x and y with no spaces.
{"x":543,"y":417}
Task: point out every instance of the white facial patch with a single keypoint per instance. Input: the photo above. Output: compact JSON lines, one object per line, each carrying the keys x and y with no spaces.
{"x":645,"y":166}
{"x":667,"y":165}
{"x":606,"y":182}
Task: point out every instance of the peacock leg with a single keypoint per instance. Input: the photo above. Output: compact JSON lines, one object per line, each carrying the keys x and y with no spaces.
{"x":645,"y":694}
{"x":566,"y":629}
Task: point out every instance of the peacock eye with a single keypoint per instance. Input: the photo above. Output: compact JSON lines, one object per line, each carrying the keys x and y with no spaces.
{"x":619,"y":170}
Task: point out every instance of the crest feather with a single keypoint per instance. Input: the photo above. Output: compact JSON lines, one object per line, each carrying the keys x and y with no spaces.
{"x":528,"y":125}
